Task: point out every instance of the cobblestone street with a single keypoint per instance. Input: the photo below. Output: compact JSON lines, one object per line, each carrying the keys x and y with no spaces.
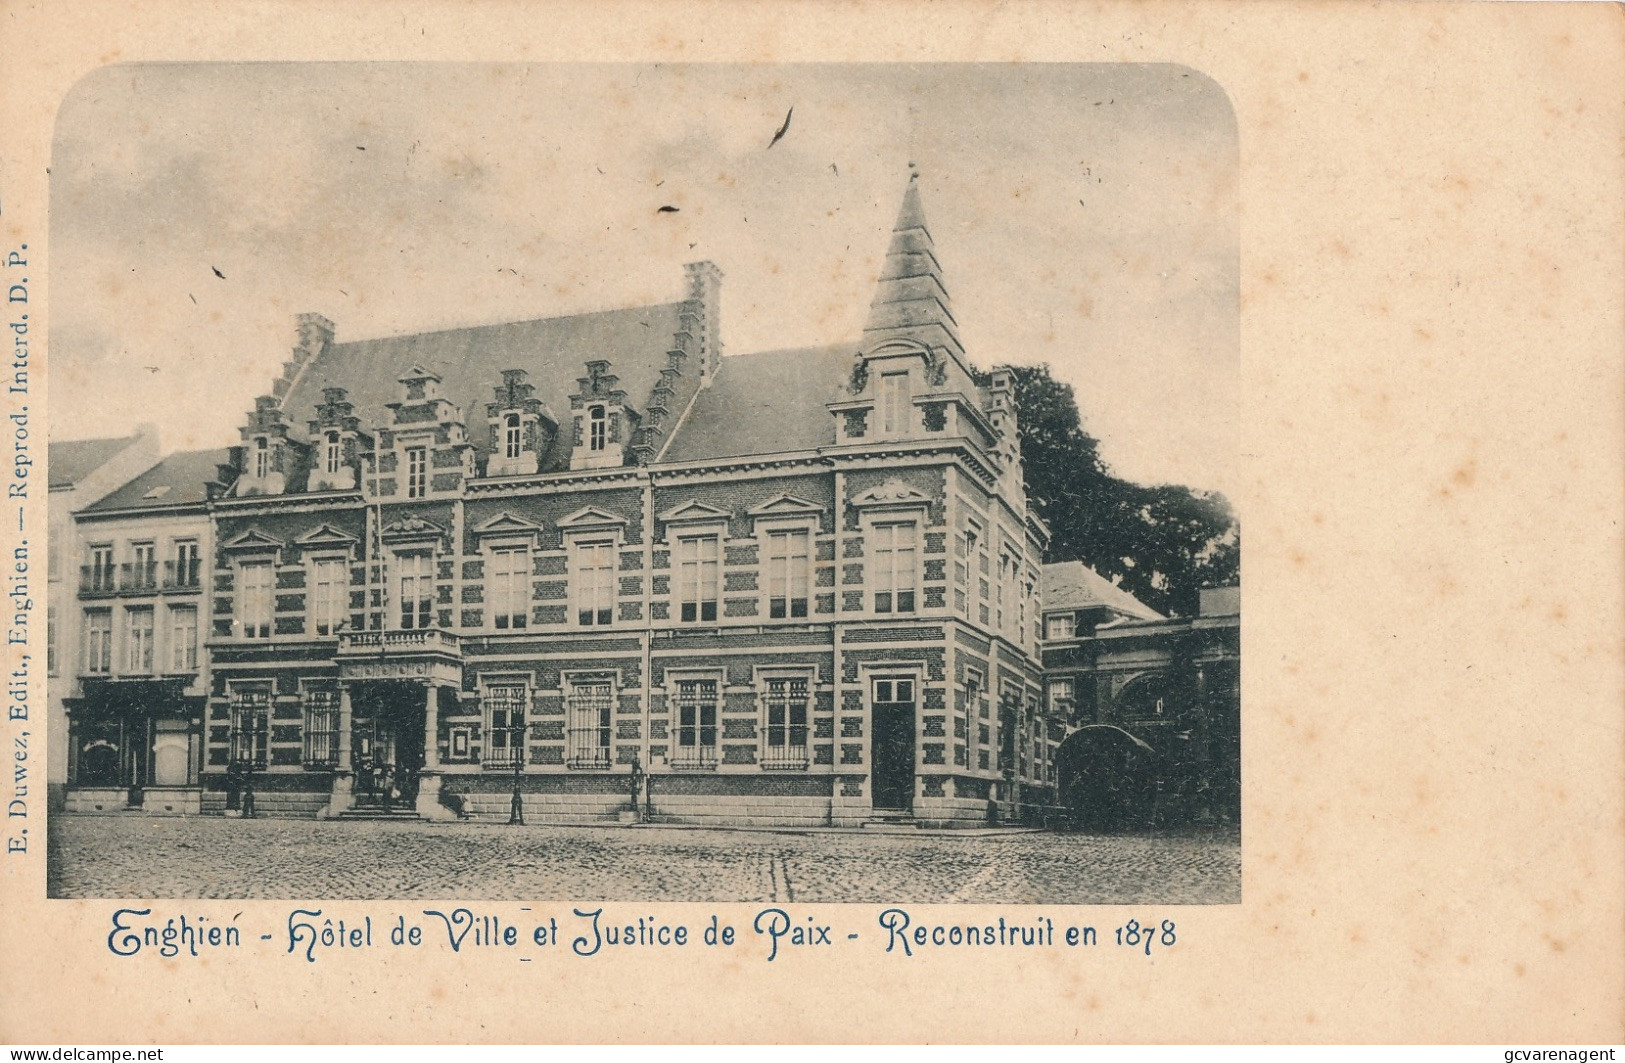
{"x":138,"y":856}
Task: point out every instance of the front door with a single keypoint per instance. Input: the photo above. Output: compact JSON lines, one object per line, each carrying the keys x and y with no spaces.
{"x":892,"y":743}
{"x":387,"y":742}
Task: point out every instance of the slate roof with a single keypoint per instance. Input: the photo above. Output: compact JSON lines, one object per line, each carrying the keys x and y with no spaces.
{"x":768,"y":403}
{"x":1074,"y":585}
{"x":470,"y":361}
{"x":73,"y":460}
{"x":177,"y":480}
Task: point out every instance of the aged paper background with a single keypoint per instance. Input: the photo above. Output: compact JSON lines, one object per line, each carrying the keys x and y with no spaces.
{"x":1434,"y":843}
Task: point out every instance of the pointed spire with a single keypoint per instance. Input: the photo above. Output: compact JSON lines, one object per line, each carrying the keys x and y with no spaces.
{"x":911,"y":301}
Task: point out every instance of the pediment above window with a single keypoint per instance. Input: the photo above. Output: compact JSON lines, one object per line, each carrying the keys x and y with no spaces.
{"x":254,"y":541}
{"x":893,"y":494}
{"x":326,"y":536}
{"x":786,"y":506}
{"x":412,"y":529}
{"x":590,"y":518}
{"x":694,"y":513}
{"x":506,"y":523}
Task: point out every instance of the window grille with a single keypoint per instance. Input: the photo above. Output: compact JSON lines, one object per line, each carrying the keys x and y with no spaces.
{"x":504,"y":728}
{"x":250,"y":724}
{"x":696,"y":738}
{"x":591,"y":705}
{"x":321,"y":727}
{"x":786,"y":731}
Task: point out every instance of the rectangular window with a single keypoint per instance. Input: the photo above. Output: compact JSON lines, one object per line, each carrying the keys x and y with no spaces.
{"x":593,"y":580}
{"x":50,"y":640}
{"x":250,"y":723}
{"x":417,"y":472}
{"x":504,"y":728}
{"x":895,"y":575}
{"x":894,"y":403}
{"x":597,"y":428}
{"x":254,"y":601}
{"x":138,"y":659}
{"x":510,"y":588}
{"x":333,"y":454}
{"x":417,"y":590}
{"x":590,"y":704}
{"x":329,"y":595}
{"x":1061,"y":626}
{"x":99,"y":573}
{"x":98,"y":641}
{"x":143,"y":573}
{"x":186,"y":572}
{"x":183,"y":638}
{"x":262,"y":459}
{"x":699,"y":566}
{"x":789,"y":572}
{"x":321,"y":726}
{"x":513,"y":436}
{"x":785,"y":703}
{"x":696,"y":738}
{"x":1063,"y":699}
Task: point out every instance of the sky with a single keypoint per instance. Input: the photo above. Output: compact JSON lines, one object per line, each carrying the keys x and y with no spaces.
{"x":1084,"y":215}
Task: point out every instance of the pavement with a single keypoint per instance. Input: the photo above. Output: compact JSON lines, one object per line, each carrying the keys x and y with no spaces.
{"x":140,"y":856}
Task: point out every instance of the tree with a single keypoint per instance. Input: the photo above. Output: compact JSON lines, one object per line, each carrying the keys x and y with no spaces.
{"x":1161,"y":543}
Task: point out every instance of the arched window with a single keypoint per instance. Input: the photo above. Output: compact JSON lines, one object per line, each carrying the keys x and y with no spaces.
{"x":335,"y":453}
{"x":513,"y":438}
{"x":597,"y":428}
{"x":262,"y":458}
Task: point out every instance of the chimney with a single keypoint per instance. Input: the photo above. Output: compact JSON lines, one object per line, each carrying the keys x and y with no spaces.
{"x":705,"y":295}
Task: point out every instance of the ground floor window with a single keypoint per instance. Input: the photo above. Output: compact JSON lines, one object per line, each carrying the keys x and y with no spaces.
{"x":590,"y":704}
{"x":250,"y":723}
{"x":321,"y":726}
{"x":504,"y":727}
{"x":784,"y":732}
{"x":696,"y":711}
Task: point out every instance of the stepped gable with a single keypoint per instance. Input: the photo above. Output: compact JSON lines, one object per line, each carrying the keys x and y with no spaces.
{"x":768,"y":403}
{"x":471,"y":361}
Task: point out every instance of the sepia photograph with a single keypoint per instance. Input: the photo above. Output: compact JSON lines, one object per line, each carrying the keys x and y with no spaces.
{"x":645,"y":482}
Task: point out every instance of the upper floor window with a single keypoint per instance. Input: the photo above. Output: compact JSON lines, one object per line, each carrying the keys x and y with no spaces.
{"x":329,"y":594}
{"x":262,"y":458}
{"x":183,"y":638}
{"x":138,"y":660}
{"x":186,"y":563}
{"x":513,"y":439}
{"x":1061,"y":626}
{"x":254,"y":600}
{"x":895,"y":578}
{"x":98,"y":641}
{"x":101,"y":568}
{"x":593,"y":582}
{"x":417,"y":472}
{"x":789,"y":572}
{"x":894,"y":403}
{"x":699,"y":567}
{"x":510,"y":588}
{"x":144,"y":565}
{"x":417,"y":589}
{"x":597,"y":428}
{"x":1063,"y":699}
{"x":334,"y":454}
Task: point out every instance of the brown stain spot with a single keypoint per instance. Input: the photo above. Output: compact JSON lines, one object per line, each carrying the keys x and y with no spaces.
{"x":1519,"y":970}
{"x":1318,"y":518}
{"x":1299,"y":558}
{"x":1303,"y":75}
{"x":1466,"y":474}
{"x":1558,"y":613}
{"x":1423,"y":334}
{"x":1341,"y":249}
{"x":1557,"y":944}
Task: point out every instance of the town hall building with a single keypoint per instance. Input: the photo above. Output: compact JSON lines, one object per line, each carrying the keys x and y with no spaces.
{"x":565,"y":561}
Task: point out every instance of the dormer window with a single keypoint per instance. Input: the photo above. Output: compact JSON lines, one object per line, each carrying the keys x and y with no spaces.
{"x":334,"y":454}
{"x":597,"y":428}
{"x":513,"y":438}
{"x":262,"y":459}
{"x":894,"y":403}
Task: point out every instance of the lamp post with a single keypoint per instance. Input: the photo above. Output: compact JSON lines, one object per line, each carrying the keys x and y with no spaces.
{"x":516,"y":747}
{"x":250,"y":762}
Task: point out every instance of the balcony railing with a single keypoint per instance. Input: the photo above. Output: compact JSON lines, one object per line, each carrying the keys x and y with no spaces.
{"x":97,"y":579}
{"x":138,"y":576}
{"x":182,"y":575}
{"x":421,"y":640}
